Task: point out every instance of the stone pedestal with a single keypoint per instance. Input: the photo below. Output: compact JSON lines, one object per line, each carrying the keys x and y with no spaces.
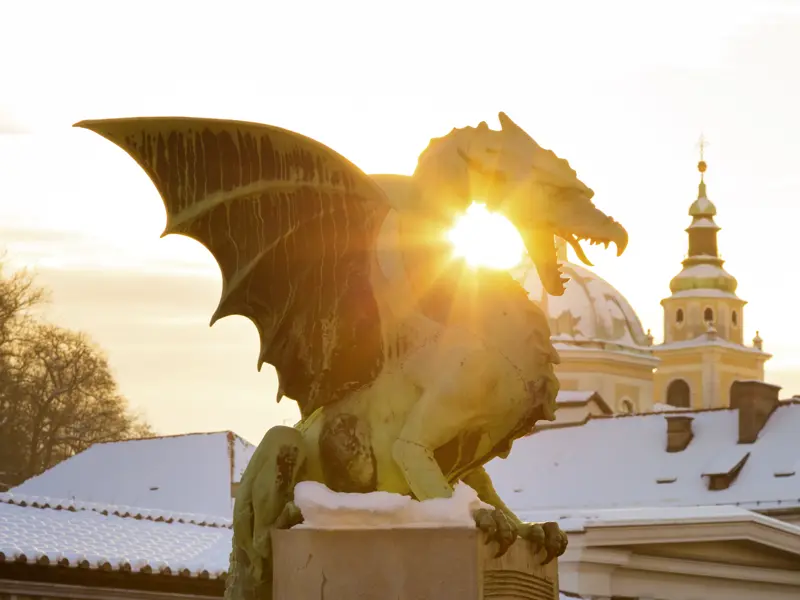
{"x":405,"y":564}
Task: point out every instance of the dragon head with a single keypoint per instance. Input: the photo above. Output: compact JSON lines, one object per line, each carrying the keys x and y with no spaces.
{"x":537,"y":191}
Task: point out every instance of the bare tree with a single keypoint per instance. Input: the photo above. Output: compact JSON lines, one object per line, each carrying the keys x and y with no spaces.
{"x":18,"y":295}
{"x":57,"y":394}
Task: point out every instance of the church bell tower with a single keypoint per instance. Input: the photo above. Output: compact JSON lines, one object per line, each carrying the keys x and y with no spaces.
{"x":703,"y":293}
{"x":703,"y":351}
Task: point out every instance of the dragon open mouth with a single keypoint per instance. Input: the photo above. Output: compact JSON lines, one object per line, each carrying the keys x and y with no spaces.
{"x":575,"y":240}
{"x":541,"y":247}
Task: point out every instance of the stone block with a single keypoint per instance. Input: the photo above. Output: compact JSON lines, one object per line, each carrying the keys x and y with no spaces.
{"x":406,"y":564}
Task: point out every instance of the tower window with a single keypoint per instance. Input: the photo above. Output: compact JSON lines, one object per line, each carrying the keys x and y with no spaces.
{"x":735,"y":318}
{"x":679,"y":394}
{"x":679,"y":316}
{"x":708,"y":315}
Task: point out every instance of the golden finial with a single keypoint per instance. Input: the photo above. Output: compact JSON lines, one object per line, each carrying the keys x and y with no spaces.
{"x":702,"y":166}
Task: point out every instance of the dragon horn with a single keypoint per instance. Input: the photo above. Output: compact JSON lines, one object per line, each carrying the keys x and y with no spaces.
{"x":508,"y":126}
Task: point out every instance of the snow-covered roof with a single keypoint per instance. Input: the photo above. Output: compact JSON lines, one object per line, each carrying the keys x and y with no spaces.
{"x":704,"y":271}
{"x":703,"y":223}
{"x":702,"y":207}
{"x":621,"y":461}
{"x":64,"y":533}
{"x":708,"y":339}
{"x":574,"y":396}
{"x":187,"y":473}
{"x":660,"y":407}
{"x":704,"y":293}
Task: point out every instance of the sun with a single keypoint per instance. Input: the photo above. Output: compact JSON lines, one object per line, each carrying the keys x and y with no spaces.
{"x":486,"y":239}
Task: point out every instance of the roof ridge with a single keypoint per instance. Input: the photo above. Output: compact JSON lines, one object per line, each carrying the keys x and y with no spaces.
{"x":171,"y":435}
{"x":788,"y":402}
{"x":125,"y":512}
{"x":628,"y":416}
{"x":678,"y":411}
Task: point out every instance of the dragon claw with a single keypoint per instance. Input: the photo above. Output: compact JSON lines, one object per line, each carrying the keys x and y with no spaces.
{"x":497,"y":527}
{"x":547,"y":537}
{"x":555,"y":541}
{"x":289,"y":517}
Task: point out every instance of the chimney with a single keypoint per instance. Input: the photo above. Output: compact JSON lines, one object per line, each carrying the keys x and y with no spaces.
{"x":755,"y":400}
{"x":679,"y":433}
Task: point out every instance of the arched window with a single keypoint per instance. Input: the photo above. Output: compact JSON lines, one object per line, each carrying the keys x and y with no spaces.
{"x":708,"y":315}
{"x":735,"y":318}
{"x":627,"y":407}
{"x":679,"y":394}
{"x":679,"y":316}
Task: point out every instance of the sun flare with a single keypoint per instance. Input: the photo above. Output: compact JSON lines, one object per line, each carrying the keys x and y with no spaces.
{"x":486,"y":239}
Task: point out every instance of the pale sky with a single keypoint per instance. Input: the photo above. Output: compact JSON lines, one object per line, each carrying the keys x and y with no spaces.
{"x":623,"y":90}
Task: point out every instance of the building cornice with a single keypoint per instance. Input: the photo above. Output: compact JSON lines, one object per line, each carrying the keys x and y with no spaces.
{"x":573,"y":352}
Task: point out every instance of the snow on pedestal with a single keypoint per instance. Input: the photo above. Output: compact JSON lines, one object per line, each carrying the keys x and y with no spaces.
{"x":325,"y":509}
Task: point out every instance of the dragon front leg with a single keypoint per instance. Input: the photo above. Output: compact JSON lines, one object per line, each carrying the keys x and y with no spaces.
{"x":547,"y":536}
{"x":413,"y":454}
{"x":445,"y":409}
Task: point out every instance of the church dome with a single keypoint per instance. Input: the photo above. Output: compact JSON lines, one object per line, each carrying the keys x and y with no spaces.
{"x":591,"y":313}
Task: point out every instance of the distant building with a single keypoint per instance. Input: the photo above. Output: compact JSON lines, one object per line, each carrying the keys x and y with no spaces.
{"x":604,"y":348}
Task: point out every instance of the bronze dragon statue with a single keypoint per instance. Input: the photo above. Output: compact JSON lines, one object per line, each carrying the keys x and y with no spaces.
{"x":411,"y":370}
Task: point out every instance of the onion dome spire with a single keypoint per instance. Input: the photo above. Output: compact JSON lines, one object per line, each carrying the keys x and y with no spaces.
{"x":702,"y":268}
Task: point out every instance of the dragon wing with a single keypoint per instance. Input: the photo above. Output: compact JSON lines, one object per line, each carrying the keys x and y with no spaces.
{"x":292,"y":225}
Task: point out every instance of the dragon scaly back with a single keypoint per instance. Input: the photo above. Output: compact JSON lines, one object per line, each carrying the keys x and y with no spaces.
{"x":292,"y":226}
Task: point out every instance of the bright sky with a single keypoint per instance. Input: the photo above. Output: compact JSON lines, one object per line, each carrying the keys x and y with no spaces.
{"x":622,"y":90}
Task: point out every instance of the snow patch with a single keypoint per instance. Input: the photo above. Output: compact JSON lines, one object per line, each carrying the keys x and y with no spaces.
{"x":703,"y":271}
{"x":569,"y":396}
{"x":704,"y":223}
{"x":706,"y":340}
{"x":704,"y":293}
{"x":658,"y":407}
{"x":323,"y":508}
